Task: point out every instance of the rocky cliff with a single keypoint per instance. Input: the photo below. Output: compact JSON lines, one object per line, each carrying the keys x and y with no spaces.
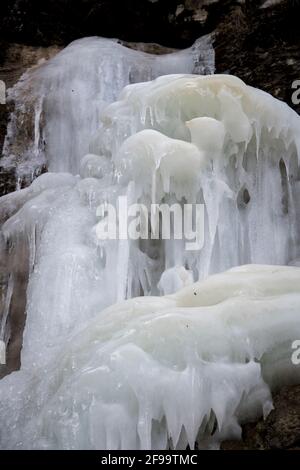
{"x":256,"y":39}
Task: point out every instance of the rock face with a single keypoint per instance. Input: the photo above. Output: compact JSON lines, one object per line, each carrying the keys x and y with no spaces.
{"x":16,"y":59}
{"x":261,"y":45}
{"x":280,"y":431}
{"x":174,"y":23}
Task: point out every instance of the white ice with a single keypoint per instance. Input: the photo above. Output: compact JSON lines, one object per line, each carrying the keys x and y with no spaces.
{"x":154,"y":372}
{"x":57,"y":104}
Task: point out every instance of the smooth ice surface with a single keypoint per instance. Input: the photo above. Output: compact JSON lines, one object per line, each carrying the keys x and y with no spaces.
{"x":162,"y":371}
{"x":153,"y":372}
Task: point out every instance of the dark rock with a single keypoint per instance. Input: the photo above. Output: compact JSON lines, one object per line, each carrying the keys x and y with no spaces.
{"x":261,"y":46}
{"x":14,"y":61}
{"x":281,"y":429}
{"x":61,"y":21}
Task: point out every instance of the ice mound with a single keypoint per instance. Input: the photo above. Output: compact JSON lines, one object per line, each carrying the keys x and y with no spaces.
{"x":163,"y":371}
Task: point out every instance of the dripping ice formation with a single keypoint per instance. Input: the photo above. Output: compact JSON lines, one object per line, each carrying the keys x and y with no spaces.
{"x":159,"y":372}
{"x":190,"y":366}
{"x":57,"y":104}
{"x":216,"y":141}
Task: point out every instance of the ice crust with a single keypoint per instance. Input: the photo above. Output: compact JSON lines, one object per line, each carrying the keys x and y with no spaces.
{"x":158,"y":372}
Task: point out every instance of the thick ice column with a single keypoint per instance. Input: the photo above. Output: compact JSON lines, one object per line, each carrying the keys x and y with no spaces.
{"x":216,"y":141}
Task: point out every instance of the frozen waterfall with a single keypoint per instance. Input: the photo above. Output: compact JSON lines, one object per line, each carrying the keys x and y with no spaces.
{"x":149,"y":371}
{"x":56,"y":109}
{"x":57,"y":104}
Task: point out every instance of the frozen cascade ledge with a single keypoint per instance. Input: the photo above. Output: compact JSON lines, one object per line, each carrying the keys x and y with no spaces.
{"x":155,"y":372}
{"x":158,"y":371}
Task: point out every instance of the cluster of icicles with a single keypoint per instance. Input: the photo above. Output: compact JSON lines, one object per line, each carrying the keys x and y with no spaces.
{"x":157,"y":371}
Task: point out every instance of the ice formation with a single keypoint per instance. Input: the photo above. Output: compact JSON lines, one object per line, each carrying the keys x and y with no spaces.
{"x":216,"y":141}
{"x":150,"y":371}
{"x":57,"y":105}
{"x":159,"y":372}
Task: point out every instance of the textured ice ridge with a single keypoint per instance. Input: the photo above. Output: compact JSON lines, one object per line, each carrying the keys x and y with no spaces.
{"x":163,"y":372}
{"x":57,"y":104}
